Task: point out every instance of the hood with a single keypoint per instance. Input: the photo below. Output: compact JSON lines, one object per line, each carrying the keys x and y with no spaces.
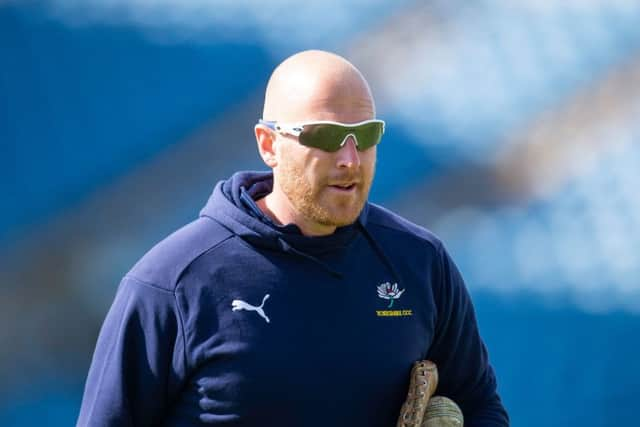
{"x":232,"y":205}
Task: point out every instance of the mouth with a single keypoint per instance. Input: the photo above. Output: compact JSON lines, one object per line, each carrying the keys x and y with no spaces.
{"x":344,"y":187}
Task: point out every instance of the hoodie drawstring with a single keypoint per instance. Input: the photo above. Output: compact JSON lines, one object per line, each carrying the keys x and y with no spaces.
{"x":372,"y":242}
{"x":376,"y":247}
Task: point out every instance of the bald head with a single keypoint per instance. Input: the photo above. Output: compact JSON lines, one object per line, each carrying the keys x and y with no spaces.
{"x":317,"y":85}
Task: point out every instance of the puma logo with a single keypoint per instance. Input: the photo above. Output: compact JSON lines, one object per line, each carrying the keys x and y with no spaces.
{"x":237,"y":304}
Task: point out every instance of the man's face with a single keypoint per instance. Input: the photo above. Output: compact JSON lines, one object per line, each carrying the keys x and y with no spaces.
{"x":327,"y":188}
{"x":316,"y":189}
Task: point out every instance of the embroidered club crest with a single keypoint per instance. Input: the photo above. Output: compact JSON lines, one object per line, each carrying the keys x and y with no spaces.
{"x":388,"y":291}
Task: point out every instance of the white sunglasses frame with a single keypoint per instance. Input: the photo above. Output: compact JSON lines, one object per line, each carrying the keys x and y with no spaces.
{"x":295,"y":129}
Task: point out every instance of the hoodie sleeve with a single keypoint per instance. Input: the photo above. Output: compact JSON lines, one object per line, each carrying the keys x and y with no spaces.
{"x":137,"y":361}
{"x":465,"y":374}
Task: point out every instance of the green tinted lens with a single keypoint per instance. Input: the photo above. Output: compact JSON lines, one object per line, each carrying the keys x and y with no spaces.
{"x":326,"y":137}
{"x":368,"y":135}
{"x":329,"y":137}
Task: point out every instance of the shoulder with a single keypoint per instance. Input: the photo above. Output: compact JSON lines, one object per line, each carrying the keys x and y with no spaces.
{"x":382,"y":218}
{"x":163,"y":265}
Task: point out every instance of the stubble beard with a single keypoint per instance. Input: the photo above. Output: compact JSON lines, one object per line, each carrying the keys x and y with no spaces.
{"x":315,"y":202}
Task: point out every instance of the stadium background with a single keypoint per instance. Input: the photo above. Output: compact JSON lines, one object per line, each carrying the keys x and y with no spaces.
{"x":513,"y":131}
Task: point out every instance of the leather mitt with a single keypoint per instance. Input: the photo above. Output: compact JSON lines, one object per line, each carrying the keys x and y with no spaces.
{"x":420,"y":409}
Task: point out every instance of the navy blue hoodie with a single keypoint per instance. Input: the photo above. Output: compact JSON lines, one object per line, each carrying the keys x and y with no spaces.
{"x":235,"y":321}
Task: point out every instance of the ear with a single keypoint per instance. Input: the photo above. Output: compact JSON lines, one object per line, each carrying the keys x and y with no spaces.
{"x":265,"y":138}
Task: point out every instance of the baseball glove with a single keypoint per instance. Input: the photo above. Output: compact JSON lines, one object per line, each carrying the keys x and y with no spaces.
{"x":420,"y":409}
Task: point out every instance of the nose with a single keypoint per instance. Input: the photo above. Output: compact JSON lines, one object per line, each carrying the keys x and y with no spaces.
{"x":348,"y":155}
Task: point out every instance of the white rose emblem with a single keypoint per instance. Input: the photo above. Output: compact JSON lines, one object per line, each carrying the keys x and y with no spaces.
{"x":388,"y":291}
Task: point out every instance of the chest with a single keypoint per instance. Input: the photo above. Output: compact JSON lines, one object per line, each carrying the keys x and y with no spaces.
{"x":275,"y":344}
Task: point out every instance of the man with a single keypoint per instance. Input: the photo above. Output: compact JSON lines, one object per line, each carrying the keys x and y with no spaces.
{"x":291,"y":301}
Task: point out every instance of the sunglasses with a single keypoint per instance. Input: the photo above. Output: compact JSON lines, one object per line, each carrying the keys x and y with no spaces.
{"x":331,"y":136}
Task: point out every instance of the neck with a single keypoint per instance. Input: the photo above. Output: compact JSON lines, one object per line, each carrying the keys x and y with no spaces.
{"x":281,"y":212}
